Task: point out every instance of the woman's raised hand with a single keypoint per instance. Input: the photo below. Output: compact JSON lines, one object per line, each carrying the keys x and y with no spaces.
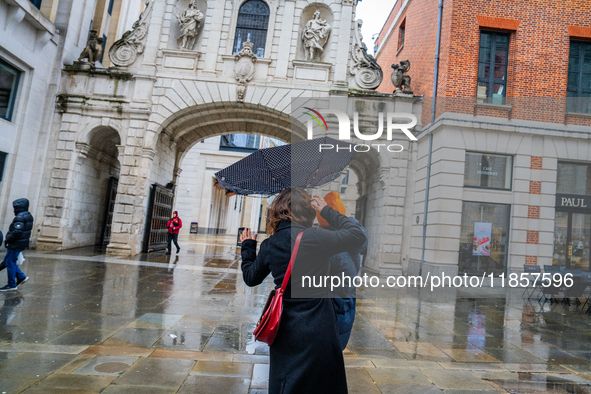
{"x":318,"y":203}
{"x":246,"y":234}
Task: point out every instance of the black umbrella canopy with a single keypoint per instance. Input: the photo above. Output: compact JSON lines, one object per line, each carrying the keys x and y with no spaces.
{"x":303,"y":164}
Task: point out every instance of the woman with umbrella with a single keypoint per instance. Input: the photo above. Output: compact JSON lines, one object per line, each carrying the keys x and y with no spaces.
{"x":306,"y":355}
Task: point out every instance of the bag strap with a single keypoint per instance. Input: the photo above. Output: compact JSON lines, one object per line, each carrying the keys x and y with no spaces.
{"x":291,"y":261}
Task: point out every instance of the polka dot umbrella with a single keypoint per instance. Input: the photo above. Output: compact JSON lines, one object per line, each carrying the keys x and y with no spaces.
{"x":303,"y":164}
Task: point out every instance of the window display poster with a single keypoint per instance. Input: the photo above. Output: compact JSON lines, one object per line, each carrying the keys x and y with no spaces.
{"x":482,"y":235}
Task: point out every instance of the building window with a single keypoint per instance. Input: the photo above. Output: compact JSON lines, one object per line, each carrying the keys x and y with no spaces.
{"x":2,"y":162}
{"x":240,"y":142}
{"x":579,"y":77}
{"x":492,"y":68}
{"x":36,"y":3}
{"x":253,"y":19}
{"x":488,"y":170}
{"x":484,"y":238}
{"x":401,"y":34}
{"x":9,"y":77}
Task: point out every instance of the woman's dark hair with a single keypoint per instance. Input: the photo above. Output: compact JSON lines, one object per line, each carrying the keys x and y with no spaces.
{"x":291,"y":204}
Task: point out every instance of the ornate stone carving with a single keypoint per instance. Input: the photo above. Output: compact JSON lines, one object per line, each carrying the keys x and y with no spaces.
{"x":400,"y":78}
{"x":189,"y":20}
{"x":125,"y":51}
{"x":368,"y":73}
{"x":94,"y":48}
{"x":244,"y":68}
{"x":315,"y":36}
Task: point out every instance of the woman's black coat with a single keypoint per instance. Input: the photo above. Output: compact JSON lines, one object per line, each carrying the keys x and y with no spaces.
{"x":306,"y":356}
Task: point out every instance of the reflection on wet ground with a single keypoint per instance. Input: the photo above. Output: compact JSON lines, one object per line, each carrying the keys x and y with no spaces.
{"x":91,"y":323}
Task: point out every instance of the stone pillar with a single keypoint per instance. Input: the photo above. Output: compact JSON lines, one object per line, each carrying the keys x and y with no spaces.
{"x":132,"y":200}
{"x":343,"y":44}
{"x":58,"y":199}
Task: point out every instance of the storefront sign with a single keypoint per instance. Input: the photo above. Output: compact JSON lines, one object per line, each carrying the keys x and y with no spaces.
{"x":573,"y":202}
{"x":482,"y":236}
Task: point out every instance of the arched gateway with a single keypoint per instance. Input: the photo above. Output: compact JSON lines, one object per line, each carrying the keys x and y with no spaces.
{"x":121,"y":130}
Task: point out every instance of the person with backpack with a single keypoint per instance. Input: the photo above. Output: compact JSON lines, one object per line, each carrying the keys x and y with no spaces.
{"x":17,"y":240}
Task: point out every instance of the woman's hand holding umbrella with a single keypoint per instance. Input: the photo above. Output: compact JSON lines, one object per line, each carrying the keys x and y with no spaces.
{"x":246,"y":234}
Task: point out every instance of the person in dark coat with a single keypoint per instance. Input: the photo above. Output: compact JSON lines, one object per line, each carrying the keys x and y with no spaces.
{"x":306,"y":355}
{"x":17,"y":240}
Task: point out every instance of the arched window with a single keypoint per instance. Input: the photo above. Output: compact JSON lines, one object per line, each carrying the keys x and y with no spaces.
{"x":253,"y":20}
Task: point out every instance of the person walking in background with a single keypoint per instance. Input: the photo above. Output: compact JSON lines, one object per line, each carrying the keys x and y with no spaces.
{"x":17,"y":240}
{"x":306,"y":355}
{"x":347,"y":263}
{"x":174,"y":226}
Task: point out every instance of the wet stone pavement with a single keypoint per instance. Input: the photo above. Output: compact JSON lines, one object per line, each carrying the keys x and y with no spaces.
{"x":89,"y":323}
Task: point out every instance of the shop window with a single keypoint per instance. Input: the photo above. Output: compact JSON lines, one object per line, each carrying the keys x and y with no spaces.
{"x":488,"y":170}
{"x":492,"y":68}
{"x":572,"y":218}
{"x":484,"y":238}
{"x":9,"y":77}
{"x":36,"y":3}
{"x":240,"y":142}
{"x":578,"y":90}
{"x":252,"y":23}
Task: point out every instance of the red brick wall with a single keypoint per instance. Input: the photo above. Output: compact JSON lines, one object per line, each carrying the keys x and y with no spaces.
{"x":538,"y":54}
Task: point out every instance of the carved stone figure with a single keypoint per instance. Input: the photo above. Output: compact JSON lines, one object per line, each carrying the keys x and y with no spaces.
{"x":315,"y":36}
{"x":244,"y":68}
{"x":400,"y":77}
{"x":368,"y":73}
{"x":124,"y":52}
{"x":189,"y":20}
{"x":94,"y":48}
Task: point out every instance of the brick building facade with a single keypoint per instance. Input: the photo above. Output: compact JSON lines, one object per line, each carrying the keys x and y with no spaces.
{"x":511,"y":158}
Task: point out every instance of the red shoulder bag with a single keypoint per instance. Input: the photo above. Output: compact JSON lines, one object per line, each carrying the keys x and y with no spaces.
{"x":268,"y":324}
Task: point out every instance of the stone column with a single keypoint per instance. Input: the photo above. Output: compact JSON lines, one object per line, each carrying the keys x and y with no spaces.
{"x":132,"y":200}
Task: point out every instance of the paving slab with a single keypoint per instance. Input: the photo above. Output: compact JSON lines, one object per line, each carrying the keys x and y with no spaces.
{"x":214,"y":385}
{"x":456,"y":380}
{"x":66,"y":384}
{"x":360,"y":382}
{"x":157,"y":372}
{"x":217,"y":368}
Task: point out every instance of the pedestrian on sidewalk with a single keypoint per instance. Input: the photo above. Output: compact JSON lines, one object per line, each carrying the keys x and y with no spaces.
{"x":17,"y":240}
{"x":347,"y":264}
{"x":306,"y":355}
{"x":174,"y":226}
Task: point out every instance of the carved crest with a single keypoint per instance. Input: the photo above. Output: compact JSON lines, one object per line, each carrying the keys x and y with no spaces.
{"x":368,"y":73}
{"x":244,"y":68}
{"x":125,"y":51}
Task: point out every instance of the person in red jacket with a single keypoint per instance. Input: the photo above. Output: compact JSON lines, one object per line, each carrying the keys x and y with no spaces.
{"x":174,"y":226}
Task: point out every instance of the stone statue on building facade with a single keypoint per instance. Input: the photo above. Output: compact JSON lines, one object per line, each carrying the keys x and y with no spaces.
{"x":94,"y":48}
{"x":400,"y":77}
{"x":315,"y":36}
{"x":124,"y":52}
{"x":244,"y":68}
{"x":189,"y":20}
{"x":368,"y":73}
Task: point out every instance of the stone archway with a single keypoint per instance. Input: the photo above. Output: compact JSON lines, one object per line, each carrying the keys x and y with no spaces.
{"x":159,"y":161}
{"x":77,"y":212}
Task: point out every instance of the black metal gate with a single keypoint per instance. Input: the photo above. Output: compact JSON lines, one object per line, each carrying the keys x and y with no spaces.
{"x":159,"y":212}
{"x":109,"y":208}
